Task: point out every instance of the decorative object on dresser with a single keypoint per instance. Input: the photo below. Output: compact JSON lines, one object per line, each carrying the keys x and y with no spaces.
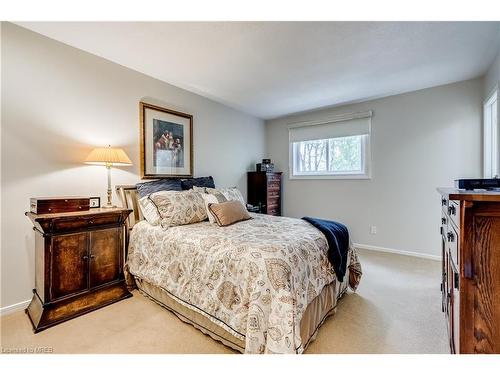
{"x":95,"y":202}
{"x":265,"y":166}
{"x":52,"y":205}
{"x":79,"y":259}
{"x":166,"y":142}
{"x":264,"y":191}
{"x":108,"y":157}
{"x":470,"y":236}
{"x":252,"y":208}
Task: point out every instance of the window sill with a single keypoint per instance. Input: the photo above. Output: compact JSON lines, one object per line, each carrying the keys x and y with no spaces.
{"x":331,"y":177}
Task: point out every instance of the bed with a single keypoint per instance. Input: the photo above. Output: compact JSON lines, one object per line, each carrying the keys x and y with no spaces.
{"x":263,"y":285}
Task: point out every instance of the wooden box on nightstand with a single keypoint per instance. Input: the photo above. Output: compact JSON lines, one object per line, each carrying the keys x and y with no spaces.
{"x":79,"y":259}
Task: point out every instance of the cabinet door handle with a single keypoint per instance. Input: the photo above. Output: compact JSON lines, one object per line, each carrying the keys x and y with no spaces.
{"x":85,"y":257}
{"x":468,"y":270}
{"x":92,"y":256}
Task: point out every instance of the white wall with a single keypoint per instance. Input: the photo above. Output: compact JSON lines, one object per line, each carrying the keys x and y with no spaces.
{"x":420,"y":140}
{"x":492,"y":76}
{"x":491,"y":81}
{"x":57,"y":103}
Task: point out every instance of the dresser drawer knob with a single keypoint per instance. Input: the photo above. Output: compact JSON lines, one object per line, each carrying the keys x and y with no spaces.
{"x":85,"y":257}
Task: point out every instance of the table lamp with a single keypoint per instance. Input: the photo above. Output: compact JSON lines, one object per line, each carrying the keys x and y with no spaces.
{"x":108,"y":157}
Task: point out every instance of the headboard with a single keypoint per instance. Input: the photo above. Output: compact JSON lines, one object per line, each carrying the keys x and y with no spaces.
{"x":129,"y":198}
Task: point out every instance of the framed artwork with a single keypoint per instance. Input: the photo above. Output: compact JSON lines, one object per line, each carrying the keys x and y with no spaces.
{"x":95,"y":202}
{"x":166,"y":142}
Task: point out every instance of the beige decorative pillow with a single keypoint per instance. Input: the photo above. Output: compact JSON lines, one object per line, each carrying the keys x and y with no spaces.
{"x":228,"y":213}
{"x":179,"y":207}
{"x":149,"y":210}
{"x":199,"y":189}
{"x":212,"y":198}
{"x":231,"y":194}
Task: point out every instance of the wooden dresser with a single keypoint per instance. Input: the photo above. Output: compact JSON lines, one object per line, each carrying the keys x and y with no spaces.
{"x":79,"y":259}
{"x":470,"y":236}
{"x":264,"y":190}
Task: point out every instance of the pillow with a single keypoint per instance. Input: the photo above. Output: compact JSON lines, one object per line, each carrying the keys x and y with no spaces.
{"x":149,"y":210}
{"x":231,"y":194}
{"x":179,"y":207}
{"x":146,"y":188}
{"x":201,"y":190}
{"x":228,"y":213}
{"x":199,"y":181}
{"x":212,"y":198}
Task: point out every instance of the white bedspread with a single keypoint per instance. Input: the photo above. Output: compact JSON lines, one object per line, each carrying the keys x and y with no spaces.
{"x":254,"y":278}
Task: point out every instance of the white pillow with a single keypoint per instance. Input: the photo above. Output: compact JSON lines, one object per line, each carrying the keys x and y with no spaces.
{"x":199,"y":189}
{"x":179,"y":207}
{"x":149,"y":210}
{"x":231,"y":194}
{"x":212,"y":198}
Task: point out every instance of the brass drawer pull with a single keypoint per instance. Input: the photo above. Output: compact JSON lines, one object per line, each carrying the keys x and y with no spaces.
{"x":451,"y":236}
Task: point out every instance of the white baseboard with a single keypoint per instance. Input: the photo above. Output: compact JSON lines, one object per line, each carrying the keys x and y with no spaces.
{"x":13,"y":308}
{"x":395,"y":251}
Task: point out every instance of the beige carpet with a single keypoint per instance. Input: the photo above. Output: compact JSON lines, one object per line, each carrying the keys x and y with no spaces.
{"x":396,"y":310}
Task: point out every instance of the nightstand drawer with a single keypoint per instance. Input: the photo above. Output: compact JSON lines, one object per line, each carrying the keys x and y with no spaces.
{"x":86,"y":222}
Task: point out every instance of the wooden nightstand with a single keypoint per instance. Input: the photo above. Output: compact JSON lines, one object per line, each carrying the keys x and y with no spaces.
{"x":79,"y":259}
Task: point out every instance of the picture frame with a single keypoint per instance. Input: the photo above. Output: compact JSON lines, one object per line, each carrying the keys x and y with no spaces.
{"x":95,"y":202}
{"x":166,"y":142}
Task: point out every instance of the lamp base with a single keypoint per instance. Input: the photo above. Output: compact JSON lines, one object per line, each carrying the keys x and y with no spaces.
{"x":108,"y":206}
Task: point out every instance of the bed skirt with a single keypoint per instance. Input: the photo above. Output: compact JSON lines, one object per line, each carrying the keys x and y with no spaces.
{"x":323,"y":306}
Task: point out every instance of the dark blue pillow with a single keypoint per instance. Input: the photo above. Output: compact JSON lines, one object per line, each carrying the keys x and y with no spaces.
{"x":207,"y":182}
{"x":146,"y":188}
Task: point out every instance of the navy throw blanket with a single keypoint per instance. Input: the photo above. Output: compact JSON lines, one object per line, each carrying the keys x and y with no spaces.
{"x":337,"y":237}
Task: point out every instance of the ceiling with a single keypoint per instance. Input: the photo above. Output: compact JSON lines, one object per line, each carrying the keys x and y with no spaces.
{"x":270,"y":69}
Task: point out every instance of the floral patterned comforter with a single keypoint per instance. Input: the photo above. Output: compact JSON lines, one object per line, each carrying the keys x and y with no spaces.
{"x":254,"y":278}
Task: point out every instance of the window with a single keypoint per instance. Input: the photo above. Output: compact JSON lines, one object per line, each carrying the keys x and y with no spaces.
{"x":337,"y":148}
{"x":490,"y":144}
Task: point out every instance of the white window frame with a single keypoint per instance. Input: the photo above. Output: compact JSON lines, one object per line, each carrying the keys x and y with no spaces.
{"x":491,"y":136}
{"x":365,"y":152}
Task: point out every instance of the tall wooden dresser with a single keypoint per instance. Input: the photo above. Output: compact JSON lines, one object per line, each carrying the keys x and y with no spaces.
{"x":470,"y":237}
{"x":264,"y":190}
{"x":79,"y":258}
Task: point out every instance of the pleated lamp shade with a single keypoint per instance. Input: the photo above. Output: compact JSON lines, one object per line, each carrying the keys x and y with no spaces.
{"x":108,"y":156}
